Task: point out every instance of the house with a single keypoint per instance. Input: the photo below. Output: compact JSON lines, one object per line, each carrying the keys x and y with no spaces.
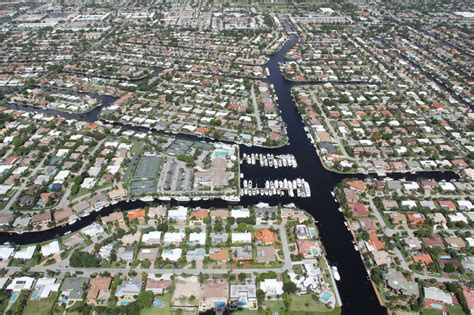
{"x":196,"y":238}
{"x":158,"y":285}
{"x":242,"y":253}
{"x":219,"y":254}
{"x":397,"y":282}
{"x":41,"y":218}
{"x":198,"y":216}
{"x":308,"y":248}
{"x":62,"y":215}
{"x":148,"y":253}
{"x":173,"y":238}
{"x":50,"y":249}
{"x":172,"y":254}
{"x":116,"y":216}
{"x":43,"y":287}
{"x":125,"y":253}
{"x":264,"y":237}
{"x":219,"y":238}
{"x":381,"y":258}
{"x":128,"y":290}
{"x":302,"y":232}
{"x":6,"y":252}
{"x":240,"y":213}
{"x":214,"y":293}
{"x":241,"y":237}
{"x":455,"y":242}
{"x":272,"y":287}
{"x":265,"y":254}
{"x":375,"y":242}
{"x":423,"y":259}
{"x":99,"y":292}
{"x":438,"y":295}
{"x":157,"y":212}
{"x":179,"y":214}
{"x":20,"y":284}
{"x":243,"y":296}
{"x":469,"y":295}
{"x":152,"y":238}
{"x":197,"y":254}
{"x":358,"y":209}
{"x":136,"y":214}
{"x":72,"y":289}
{"x":25,"y":253}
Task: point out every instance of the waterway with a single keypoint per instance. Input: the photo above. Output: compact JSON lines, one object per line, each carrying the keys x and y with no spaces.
{"x":357,"y":293}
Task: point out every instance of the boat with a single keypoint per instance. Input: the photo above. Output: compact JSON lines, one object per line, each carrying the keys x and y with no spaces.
{"x":68,"y":232}
{"x":147,"y":198}
{"x":231,"y":198}
{"x":182,"y":198}
{"x":335,"y":273}
{"x":196,"y":198}
{"x":164,"y":198}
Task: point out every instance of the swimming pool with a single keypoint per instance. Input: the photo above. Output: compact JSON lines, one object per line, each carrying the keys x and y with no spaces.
{"x":326,"y":296}
{"x":158,"y":303}
{"x":35,"y":295}
{"x":436,"y":306}
{"x":221,"y":153}
{"x":14,"y":297}
{"x":315,"y":252}
{"x":124,"y":303}
{"x":219,"y":304}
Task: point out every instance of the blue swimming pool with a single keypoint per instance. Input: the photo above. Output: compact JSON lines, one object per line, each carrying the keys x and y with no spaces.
{"x":315,"y":252}
{"x":14,"y":297}
{"x":158,"y":303}
{"x":124,"y":303}
{"x":219,"y":304}
{"x":436,"y":306}
{"x":35,"y":295}
{"x":221,"y":153}
{"x":326,"y":296}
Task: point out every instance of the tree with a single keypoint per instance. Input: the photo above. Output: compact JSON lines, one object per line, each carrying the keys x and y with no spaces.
{"x":145,"y":299}
{"x":242,"y":276}
{"x":289,"y":288}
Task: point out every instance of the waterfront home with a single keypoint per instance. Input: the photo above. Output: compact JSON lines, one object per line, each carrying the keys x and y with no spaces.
{"x":179,"y":214}
{"x":240,"y":213}
{"x":51,"y":248}
{"x":6,"y":252}
{"x":116,"y":216}
{"x":397,"y":282}
{"x":138,"y":214}
{"x":99,"y":290}
{"x":63,"y":215}
{"x":25,"y":253}
{"x":157,"y":212}
{"x":197,"y":216}
{"x":308,"y":248}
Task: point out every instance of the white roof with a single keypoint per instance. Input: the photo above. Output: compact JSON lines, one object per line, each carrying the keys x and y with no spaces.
{"x":50,"y":249}
{"x":25,"y":252}
{"x":447,"y":186}
{"x":245,"y":237}
{"x":173,"y":237}
{"x":22,"y":283}
{"x":240,"y":213}
{"x":5,"y":252}
{"x":172,"y":254}
{"x":199,"y":238}
{"x":152,"y":237}
{"x":94,"y":229}
{"x":180,"y":213}
{"x":457,"y":217}
{"x":272,"y":287}
{"x":436,"y":294}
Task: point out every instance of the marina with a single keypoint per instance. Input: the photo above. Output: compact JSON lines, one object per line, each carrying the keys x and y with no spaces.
{"x":293,"y":188}
{"x":270,"y":160}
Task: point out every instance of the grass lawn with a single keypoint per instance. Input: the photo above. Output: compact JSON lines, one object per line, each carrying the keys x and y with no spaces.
{"x":273,"y":306}
{"x":451,"y":310}
{"x":42,"y":306}
{"x":306,"y":303}
{"x":166,"y":298}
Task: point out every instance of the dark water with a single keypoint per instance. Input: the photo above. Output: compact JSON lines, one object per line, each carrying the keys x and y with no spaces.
{"x":357,"y":293}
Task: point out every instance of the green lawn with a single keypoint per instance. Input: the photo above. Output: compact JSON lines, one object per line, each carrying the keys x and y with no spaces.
{"x":306,"y":303}
{"x":166,"y":298}
{"x":273,"y":306}
{"x":451,"y":310}
{"x":42,"y":306}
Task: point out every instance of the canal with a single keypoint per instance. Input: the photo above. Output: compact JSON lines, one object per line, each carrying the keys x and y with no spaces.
{"x":357,"y":293}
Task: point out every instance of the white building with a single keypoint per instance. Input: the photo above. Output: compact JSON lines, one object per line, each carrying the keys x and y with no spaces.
{"x":245,"y":237}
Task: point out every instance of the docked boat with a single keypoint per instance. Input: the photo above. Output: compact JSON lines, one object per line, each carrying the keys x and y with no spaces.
{"x":335,"y":273}
{"x":164,"y":198}
{"x":182,"y":198}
